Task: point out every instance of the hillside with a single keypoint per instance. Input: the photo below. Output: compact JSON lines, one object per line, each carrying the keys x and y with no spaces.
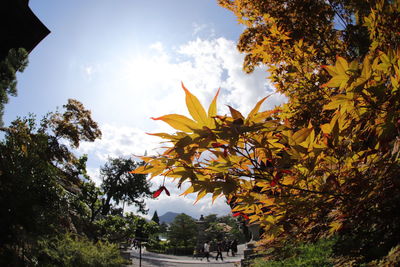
{"x":168,"y":217}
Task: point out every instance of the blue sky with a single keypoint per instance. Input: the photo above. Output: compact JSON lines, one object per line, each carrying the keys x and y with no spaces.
{"x":124,"y":60}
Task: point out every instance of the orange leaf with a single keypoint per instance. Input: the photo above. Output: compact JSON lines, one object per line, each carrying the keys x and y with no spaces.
{"x":195,"y":109}
{"x":162,"y":135}
{"x":188,"y":191}
{"x":200,"y":195}
{"x":145,"y":169}
{"x":179,"y":122}
{"x":235,"y":114}
{"x":255,"y":110}
{"x":301,"y":135}
{"x":212,"y":110}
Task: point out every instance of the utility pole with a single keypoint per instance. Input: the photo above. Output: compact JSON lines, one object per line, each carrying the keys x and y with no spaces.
{"x":140,"y":253}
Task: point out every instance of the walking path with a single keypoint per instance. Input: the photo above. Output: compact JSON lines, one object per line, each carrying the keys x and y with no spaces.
{"x":150,"y":259}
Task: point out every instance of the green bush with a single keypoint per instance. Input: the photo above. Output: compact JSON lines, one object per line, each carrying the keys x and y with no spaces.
{"x":165,"y":247}
{"x":158,"y":246}
{"x":308,"y":255}
{"x":77,"y":251}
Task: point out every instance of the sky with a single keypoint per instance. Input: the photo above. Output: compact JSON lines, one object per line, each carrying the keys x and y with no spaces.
{"x":125,"y":61}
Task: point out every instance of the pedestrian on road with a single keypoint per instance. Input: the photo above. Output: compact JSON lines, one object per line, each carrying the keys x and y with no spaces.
{"x":207,"y":250}
{"x":196,"y":253}
{"x":234,"y":248}
{"x":225,"y":244}
{"x":220,"y":248}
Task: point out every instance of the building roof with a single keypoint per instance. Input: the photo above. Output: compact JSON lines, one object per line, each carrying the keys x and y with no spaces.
{"x":19,"y":27}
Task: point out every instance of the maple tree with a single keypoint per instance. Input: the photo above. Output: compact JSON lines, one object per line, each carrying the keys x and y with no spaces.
{"x":326,"y":162}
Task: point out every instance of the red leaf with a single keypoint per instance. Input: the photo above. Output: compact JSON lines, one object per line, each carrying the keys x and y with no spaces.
{"x":273,"y":183}
{"x":232,"y":200}
{"x":269,"y":163}
{"x":225,"y":152}
{"x":166,"y":191}
{"x":275,"y":111}
{"x":286,"y":171}
{"x":215,"y":145}
{"x":278,"y":175}
{"x":158,"y":192}
{"x":241,"y":214}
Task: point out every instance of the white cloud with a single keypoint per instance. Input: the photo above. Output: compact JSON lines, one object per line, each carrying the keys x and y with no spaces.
{"x":221,"y":63}
{"x":157,"y":46}
{"x":88,"y":71}
{"x":206,"y":30}
{"x":148,"y":85}
{"x":120,"y":141}
{"x":94,"y":174}
{"x":198,"y":27}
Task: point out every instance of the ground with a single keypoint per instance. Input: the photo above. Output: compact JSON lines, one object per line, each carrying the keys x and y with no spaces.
{"x":150,"y":259}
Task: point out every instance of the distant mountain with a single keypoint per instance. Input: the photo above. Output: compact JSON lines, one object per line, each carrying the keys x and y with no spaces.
{"x":168,"y":217}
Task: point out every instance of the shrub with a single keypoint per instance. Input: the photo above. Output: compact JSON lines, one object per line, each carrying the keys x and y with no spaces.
{"x":76,"y":251}
{"x":307,"y":255}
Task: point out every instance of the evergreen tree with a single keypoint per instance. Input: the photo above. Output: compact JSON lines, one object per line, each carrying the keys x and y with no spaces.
{"x":120,"y":185}
{"x":155,"y":218}
{"x":183,"y":231}
{"x":16,"y":60}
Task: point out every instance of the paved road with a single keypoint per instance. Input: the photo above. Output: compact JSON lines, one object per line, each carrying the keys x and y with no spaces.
{"x":154,"y":263}
{"x":150,"y":259}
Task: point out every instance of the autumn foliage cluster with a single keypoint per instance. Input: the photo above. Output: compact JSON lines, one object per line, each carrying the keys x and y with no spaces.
{"x":326,"y":162}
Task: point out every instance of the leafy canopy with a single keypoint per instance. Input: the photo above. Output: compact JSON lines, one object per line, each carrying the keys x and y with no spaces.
{"x":325,"y":163}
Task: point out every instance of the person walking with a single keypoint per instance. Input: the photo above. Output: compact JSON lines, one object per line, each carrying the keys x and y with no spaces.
{"x":234,"y":248}
{"x":226,"y":245}
{"x":207,"y":250}
{"x":220,"y":248}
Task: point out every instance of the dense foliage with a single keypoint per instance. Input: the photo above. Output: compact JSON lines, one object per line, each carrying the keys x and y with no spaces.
{"x":45,"y":192}
{"x":301,"y":255}
{"x":39,"y":177}
{"x":223,"y":228}
{"x":119,"y":185}
{"x":183,"y":231}
{"x":327,"y":161}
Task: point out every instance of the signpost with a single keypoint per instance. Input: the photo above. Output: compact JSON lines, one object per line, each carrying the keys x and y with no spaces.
{"x":140,"y":238}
